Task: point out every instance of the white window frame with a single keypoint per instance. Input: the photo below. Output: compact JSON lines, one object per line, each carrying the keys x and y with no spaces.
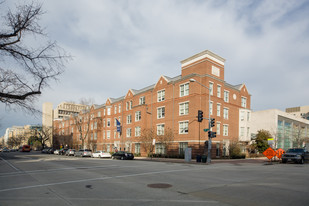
{"x":218,"y":128}
{"x":137,"y":131}
{"x":244,"y":102}
{"x":211,"y":88}
{"x":218,"y":109}
{"x":160,"y":129}
{"x":225,"y":113}
{"x":184,"y":108}
{"x":225,"y":130}
{"x":129,"y":119}
{"x":226,"y":96}
{"x":108,"y":134}
{"x":108,"y":123}
{"x":128,"y":132}
{"x":138,"y":116}
{"x":160,"y":112}
{"x":161,"y":95}
{"x":219,"y":91}
{"x":184,"y":89}
{"x":183,"y":127}
{"x":142,"y":100}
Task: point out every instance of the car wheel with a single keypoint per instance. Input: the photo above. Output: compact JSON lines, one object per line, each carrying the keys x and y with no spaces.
{"x":284,"y":160}
{"x":301,"y":161}
{"x":122,"y":158}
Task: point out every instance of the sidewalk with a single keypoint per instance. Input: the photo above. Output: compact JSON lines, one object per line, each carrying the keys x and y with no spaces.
{"x":213,"y":161}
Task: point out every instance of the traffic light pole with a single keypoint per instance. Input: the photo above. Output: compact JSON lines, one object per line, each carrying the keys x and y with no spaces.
{"x":209,"y":138}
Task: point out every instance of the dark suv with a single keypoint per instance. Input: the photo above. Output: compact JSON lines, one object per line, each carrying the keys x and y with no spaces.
{"x":296,"y":154}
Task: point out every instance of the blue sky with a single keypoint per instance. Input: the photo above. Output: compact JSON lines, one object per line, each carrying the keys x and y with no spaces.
{"x":120,"y":45}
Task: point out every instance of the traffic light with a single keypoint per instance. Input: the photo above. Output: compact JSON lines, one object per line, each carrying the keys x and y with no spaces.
{"x":200,"y":116}
{"x":212,"y":134}
{"x":212,"y":122}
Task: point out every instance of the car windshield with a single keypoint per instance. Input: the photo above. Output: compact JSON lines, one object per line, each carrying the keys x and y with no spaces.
{"x":295,"y":150}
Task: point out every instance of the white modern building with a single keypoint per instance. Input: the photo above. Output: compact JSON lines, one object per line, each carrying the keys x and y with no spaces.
{"x":302,"y":111}
{"x":287,"y":129}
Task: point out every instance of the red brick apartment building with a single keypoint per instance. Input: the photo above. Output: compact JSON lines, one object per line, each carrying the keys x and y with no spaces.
{"x":169,"y":106}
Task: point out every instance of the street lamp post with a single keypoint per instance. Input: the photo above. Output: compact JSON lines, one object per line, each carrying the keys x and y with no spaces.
{"x":209,"y":138}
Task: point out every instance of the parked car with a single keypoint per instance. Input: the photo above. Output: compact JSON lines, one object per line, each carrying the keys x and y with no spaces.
{"x":5,"y":150}
{"x":70,"y":152}
{"x":123,"y":155}
{"x":50,"y":151}
{"x":101,"y":154}
{"x":56,"y":152}
{"x":296,"y":154}
{"x":83,"y":153}
{"x":26,"y":148}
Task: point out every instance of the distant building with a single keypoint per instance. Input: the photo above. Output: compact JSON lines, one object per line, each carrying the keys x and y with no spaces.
{"x":23,"y":133}
{"x":63,"y":111}
{"x":288,"y":130}
{"x":302,"y":111}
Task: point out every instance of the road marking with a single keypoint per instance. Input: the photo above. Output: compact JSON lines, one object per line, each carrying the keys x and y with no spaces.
{"x":11,"y":165}
{"x":100,"y":178}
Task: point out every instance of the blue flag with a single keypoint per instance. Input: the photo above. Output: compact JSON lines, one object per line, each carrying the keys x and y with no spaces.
{"x":118,"y":126}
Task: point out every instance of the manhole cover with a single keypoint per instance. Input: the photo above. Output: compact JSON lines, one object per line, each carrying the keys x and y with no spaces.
{"x":159,"y":185}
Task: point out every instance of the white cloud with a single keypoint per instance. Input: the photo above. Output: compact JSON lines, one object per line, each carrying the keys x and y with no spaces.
{"x":118,"y":45}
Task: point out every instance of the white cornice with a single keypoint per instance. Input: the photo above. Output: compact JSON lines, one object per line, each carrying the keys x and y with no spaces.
{"x":203,"y":55}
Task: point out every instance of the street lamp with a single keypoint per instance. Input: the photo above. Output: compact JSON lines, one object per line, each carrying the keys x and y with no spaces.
{"x":209,"y":138}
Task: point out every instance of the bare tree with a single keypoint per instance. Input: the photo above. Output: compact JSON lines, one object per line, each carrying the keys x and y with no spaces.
{"x":28,"y":64}
{"x":45,"y":135}
{"x":146,"y":140}
{"x":166,"y":139}
{"x":82,"y":123}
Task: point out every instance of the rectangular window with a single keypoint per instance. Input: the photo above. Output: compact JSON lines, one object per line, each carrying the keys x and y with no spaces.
{"x":129,"y":119}
{"x":225,"y":130}
{"x":184,"y":127}
{"x":244,"y":102}
{"x":218,"y":110}
{"x":160,"y":129}
{"x":95,"y":136}
{"x":137,"y":148}
{"x":108,"y":122}
{"x":119,"y":108}
{"x":95,"y":125}
{"x":242,"y":116}
{"x":99,"y":114}
{"x":226,"y":96}
{"x":218,"y":128}
{"x":184,"y":108}
{"x":160,"y":148}
{"x":242,"y":131}
{"x":182,"y":147}
{"x":184,"y":90}
{"x":248,"y":116}
{"x":108,"y":134}
{"x":160,"y":112}
{"x":131,"y":105}
{"x":219,"y":91}
{"x":138,"y":116}
{"x":127,"y":106}
{"x":128,"y":132}
{"x":108,"y":111}
{"x":161,"y":95}
{"x":115,"y":110}
{"x":141,"y":100}
{"x":211,"y":88}
{"x":137,"y":131}
{"x":225,"y":113}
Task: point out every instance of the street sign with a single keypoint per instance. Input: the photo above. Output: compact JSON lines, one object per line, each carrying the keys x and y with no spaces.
{"x":279,"y":153}
{"x":206,"y":130}
{"x":269,"y":153}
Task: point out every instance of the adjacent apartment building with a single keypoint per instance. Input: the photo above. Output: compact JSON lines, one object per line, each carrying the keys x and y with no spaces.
{"x":162,"y":117}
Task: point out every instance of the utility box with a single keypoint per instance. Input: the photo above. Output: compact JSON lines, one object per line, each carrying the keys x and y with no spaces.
{"x":188,"y":154}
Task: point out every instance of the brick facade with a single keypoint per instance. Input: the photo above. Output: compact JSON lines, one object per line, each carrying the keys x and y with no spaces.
{"x":172,"y":102}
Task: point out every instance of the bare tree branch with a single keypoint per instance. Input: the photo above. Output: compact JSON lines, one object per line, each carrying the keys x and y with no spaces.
{"x":34,"y":65}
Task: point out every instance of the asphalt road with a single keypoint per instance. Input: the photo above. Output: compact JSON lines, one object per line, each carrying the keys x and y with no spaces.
{"x":40,"y":179}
